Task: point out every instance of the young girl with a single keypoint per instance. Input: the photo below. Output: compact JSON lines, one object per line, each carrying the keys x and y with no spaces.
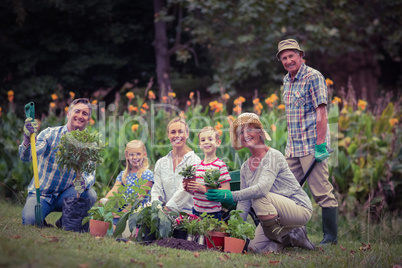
{"x":137,"y":165}
{"x":167,"y":178}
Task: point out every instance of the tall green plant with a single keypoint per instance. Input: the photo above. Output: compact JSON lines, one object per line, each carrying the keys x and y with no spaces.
{"x":80,"y":151}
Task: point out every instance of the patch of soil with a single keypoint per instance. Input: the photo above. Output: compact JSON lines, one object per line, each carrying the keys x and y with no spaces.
{"x":172,"y":242}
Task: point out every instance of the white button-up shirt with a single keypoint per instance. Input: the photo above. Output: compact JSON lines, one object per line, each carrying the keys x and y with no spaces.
{"x":168,"y":182}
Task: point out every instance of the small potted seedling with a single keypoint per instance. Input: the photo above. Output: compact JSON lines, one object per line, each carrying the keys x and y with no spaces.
{"x":211,"y":179}
{"x":239,"y":231}
{"x":188,"y":174}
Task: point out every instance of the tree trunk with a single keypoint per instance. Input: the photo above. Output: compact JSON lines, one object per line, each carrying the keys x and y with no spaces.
{"x":161,"y":50}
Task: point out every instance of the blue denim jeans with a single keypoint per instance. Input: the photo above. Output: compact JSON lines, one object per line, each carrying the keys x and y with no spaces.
{"x":217,"y":215}
{"x":28,"y":213}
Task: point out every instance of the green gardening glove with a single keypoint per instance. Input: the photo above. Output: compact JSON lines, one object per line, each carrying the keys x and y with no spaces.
{"x":321,"y":152}
{"x":223,"y":196}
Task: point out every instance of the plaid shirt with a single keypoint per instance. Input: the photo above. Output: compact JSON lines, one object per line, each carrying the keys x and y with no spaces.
{"x":52,"y":181}
{"x":302,"y":96}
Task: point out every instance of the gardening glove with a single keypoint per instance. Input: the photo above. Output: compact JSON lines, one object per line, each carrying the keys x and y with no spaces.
{"x":223,"y":196}
{"x":29,"y":127}
{"x":321,"y":152}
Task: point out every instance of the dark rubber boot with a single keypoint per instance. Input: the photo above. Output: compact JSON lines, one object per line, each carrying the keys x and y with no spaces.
{"x":330,"y":226}
{"x":272,"y":229}
{"x":298,"y":238}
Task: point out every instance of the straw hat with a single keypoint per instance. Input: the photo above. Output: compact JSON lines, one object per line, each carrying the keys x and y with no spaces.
{"x":288,"y":44}
{"x":243,"y":119}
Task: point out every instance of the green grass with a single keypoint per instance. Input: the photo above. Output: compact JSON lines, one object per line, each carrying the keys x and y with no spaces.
{"x":28,"y":246}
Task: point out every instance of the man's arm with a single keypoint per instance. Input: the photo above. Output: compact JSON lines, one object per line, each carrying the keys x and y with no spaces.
{"x":322,"y":119}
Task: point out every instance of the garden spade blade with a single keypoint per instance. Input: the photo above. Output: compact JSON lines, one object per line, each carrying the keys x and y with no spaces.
{"x":30,"y":112}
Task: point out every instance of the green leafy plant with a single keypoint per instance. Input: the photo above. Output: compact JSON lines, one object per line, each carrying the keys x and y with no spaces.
{"x":153,"y":218}
{"x":101,"y":212}
{"x":238,"y":228}
{"x":188,"y":172}
{"x":80,"y":151}
{"x":211,"y":178}
{"x":211,"y":224}
{"x":192,"y":224}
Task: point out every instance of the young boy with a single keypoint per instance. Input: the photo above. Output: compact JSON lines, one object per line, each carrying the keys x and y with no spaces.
{"x":209,"y":142}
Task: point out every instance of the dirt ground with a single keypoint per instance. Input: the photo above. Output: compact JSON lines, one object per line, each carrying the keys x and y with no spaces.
{"x":172,"y":242}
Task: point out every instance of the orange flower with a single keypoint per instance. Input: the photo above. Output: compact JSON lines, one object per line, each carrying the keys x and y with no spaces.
{"x":237,"y":109}
{"x":225,"y":96}
{"x":130,"y":95}
{"x":52,"y":105}
{"x":362,"y":105}
{"x":258,"y":108}
{"x":273,"y":127}
{"x":239,"y":101}
{"x":66,"y":109}
{"x":151,"y":95}
{"x":256,"y":100}
{"x":336,"y":100}
{"x":216,"y":106}
{"x":183,"y":115}
{"x":54,"y":97}
{"x":143,"y":111}
{"x":72,"y":94}
{"x":392,"y":121}
{"x":134,"y":127}
{"x":164,"y":99}
{"x":269,"y":101}
{"x":230,"y":119}
{"x":94,"y":102}
{"x":188,"y":103}
{"x":281,"y":107}
{"x":191,"y":96}
{"x":145,"y":106}
{"x":329,"y":82}
{"x":274,"y":97}
{"x":91,"y":121}
{"x":10,"y":95}
{"x":172,"y":94}
{"x":218,"y":125}
{"x":132,"y":108}
{"x":0,"y":111}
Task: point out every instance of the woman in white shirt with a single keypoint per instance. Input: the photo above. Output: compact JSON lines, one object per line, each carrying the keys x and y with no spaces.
{"x":166,"y":173}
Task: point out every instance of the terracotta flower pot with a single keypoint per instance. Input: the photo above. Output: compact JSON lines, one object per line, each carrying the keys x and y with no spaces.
{"x":234,"y":245}
{"x":98,"y":228}
{"x":216,"y":240}
{"x":186,"y":181}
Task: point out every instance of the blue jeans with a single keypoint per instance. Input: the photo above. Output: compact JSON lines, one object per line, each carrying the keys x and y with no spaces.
{"x":217,"y":215}
{"x":28,"y":213}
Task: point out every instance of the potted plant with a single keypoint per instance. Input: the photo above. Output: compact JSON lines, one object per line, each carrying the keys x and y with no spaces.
{"x":192,"y":225}
{"x":153,"y":223}
{"x":239,"y":231}
{"x":211,"y":179}
{"x":188,"y":174}
{"x":214,"y":231}
{"x":179,"y":228}
{"x":79,"y":151}
{"x":100,"y":219}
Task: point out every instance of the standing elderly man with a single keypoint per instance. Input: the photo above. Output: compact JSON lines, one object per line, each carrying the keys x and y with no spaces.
{"x":305,"y":96}
{"x":55,"y":185}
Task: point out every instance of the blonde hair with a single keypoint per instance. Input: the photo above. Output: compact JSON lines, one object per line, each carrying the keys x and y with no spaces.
{"x":145,"y":163}
{"x":181,"y":120}
{"x":205,"y":129}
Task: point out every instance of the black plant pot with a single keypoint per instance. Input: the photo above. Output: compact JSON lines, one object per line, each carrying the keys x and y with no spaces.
{"x":74,"y":210}
{"x":180,"y":234}
{"x":147,"y":236}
